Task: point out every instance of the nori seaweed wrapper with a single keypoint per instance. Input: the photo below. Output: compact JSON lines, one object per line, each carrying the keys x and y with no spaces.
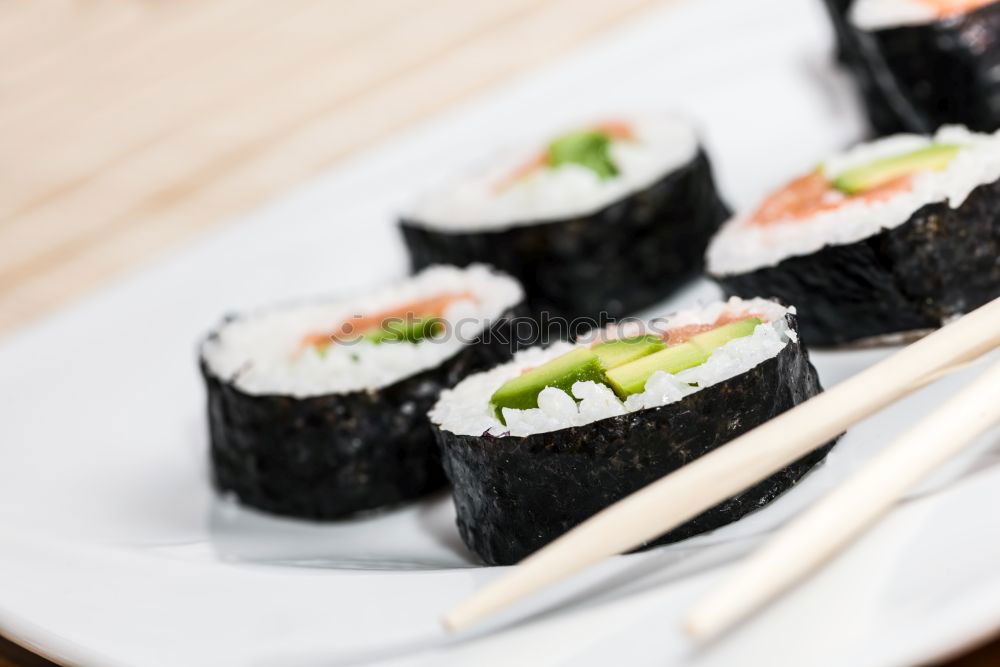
{"x":837,"y":9}
{"x":514,"y":495}
{"x":879,"y":101}
{"x":916,"y":78}
{"x":940,"y":263}
{"x":622,"y":258}
{"x":330,"y":456}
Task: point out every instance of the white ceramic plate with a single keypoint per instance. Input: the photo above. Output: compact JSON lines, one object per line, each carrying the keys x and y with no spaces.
{"x":114,"y":550}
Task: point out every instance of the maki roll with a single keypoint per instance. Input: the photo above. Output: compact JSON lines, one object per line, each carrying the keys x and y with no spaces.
{"x":537,"y":445}
{"x":921,"y":64}
{"x":319,"y":410}
{"x":883,"y":242}
{"x":608,"y":218}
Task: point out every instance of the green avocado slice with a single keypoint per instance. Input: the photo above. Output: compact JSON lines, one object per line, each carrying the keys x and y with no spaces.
{"x":860,"y":179}
{"x":588,"y":148}
{"x":625,"y":365}
{"x":562,"y":372}
{"x":631,"y":378}
{"x":409,"y":330}
{"x":710,"y":340}
{"x":617,"y":352}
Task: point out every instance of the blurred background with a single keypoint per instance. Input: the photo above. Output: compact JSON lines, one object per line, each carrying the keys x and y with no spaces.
{"x":130,"y":126}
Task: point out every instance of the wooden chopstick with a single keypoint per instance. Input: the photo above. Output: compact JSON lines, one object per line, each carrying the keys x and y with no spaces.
{"x":834,"y":522}
{"x":696,"y":487}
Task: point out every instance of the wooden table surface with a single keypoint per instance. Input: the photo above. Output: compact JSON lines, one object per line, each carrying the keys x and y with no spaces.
{"x":128,"y":126}
{"x":988,"y":655}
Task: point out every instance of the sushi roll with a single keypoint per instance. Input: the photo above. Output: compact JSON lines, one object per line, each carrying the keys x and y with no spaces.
{"x":881,"y":243}
{"x":318,"y":410}
{"x":921,"y":64}
{"x":608,"y":218}
{"x":537,"y":445}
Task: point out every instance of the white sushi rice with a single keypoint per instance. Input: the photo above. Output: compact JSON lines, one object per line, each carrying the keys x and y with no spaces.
{"x":882,"y":14}
{"x":466,"y":410}
{"x":662,"y":144}
{"x":262,"y":352}
{"x":740,"y":247}
{"x":873,"y":15}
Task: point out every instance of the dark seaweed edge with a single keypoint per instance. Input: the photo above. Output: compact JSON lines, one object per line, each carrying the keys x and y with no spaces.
{"x":514,"y":494}
{"x":917,"y":78}
{"x":622,"y":258}
{"x":940,"y":263}
{"x":335,"y":455}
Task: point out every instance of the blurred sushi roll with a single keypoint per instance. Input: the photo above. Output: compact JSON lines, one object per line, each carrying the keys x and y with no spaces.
{"x":319,"y":410}
{"x":921,"y":64}
{"x":609,"y":218}
{"x":883,"y":242}
{"x":535,"y":446}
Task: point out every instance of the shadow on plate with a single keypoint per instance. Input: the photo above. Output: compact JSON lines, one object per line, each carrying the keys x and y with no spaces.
{"x":419,"y":536}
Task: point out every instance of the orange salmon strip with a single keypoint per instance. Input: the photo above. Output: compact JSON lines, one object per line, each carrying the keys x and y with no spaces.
{"x":812,"y":194}
{"x":945,"y":8}
{"x":523,"y":171}
{"x":430,"y":307}
{"x":686,"y":333}
{"x":619,"y":129}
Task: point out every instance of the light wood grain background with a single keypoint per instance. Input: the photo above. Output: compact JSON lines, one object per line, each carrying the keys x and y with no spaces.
{"x":127,"y":126}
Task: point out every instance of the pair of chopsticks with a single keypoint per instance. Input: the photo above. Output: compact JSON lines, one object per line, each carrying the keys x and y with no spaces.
{"x":737,"y":465}
{"x":831,"y":524}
